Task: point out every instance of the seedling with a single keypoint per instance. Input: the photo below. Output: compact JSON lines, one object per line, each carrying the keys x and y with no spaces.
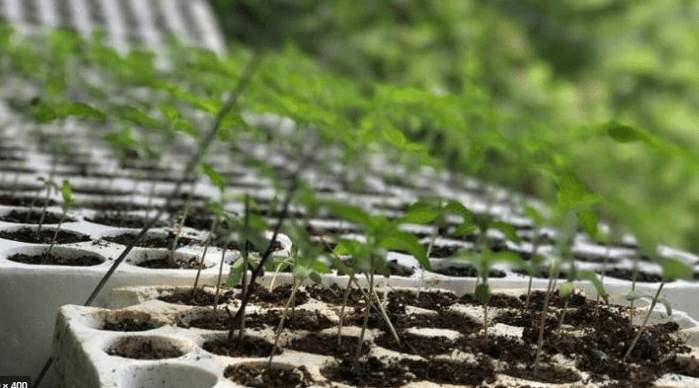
{"x":369,"y":256}
{"x":483,"y":261}
{"x":672,"y":269}
{"x":68,"y":202}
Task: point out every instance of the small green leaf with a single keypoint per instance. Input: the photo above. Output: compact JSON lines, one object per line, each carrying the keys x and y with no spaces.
{"x":586,"y":274}
{"x":507,"y":229}
{"x":420,"y":213}
{"x":534,"y":215}
{"x":79,"y":109}
{"x":301,"y":272}
{"x":169,"y":111}
{"x":624,"y":133}
{"x":565,"y":289}
{"x":408,"y":242}
{"x":135,"y":116}
{"x":350,"y":213}
{"x":573,"y":192}
{"x":512,"y":259}
{"x":67,"y":193}
{"x":588,"y":222}
{"x":235,"y":276}
{"x":458,"y":208}
{"x":215,"y":177}
{"x":42,"y":111}
{"x":316,"y":277}
{"x":483,"y":293}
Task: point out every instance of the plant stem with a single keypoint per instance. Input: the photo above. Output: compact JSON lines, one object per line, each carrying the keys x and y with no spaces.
{"x":342,"y":309}
{"x":542,"y":321}
{"x":244,"y":285}
{"x":214,"y":223}
{"x":645,"y":320}
{"x":270,"y":248}
{"x":281,"y":321}
{"x":358,"y":353}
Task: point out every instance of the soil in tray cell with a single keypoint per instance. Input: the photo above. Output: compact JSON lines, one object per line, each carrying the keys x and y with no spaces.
{"x":34,"y":217}
{"x":261,"y":376}
{"x":45,"y":236}
{"x":54,"y":259}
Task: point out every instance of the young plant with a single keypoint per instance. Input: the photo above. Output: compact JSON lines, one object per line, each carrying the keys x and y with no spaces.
{"x":368,"y":256}
{"x":484,"y":261}
{"x":67,"y":203}
{"x":672,"y":269}
{"x":302,"y":270}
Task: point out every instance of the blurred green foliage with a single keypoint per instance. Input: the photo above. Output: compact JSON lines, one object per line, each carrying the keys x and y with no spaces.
{"x":530,"y":76}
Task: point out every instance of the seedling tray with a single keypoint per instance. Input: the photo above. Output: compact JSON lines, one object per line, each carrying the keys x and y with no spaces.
{"x":174,"y":345}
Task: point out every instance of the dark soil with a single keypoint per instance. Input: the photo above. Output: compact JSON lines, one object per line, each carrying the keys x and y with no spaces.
{"x":34,"y":217}
{"x":144,"y":349}
{"x":198,"y":298}
{"x":122,"y":221}
{"x":600,"y":341}
{"x":250,"y":347}
{"x":29,"y":235}
{"x":327,"y":344}
{"x":128,"y":325}
{"x":234,"y":246}
{"x":261,"y":376}
{"x":176,"y":263}
{"x":9,"y":200}
{"x":627,"y":274}
{"x":466,"y":271}
{"x":277,"y":297}
{"x":101,"y":191}
{"x":53,"y":259}
{"x":154,"y":242}
{"x":112,"y":206}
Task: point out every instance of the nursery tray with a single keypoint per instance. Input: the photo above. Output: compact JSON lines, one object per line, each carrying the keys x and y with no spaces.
{"x":171,"y":344}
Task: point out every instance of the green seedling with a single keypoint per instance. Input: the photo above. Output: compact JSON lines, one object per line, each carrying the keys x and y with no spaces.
{"x":484,"y":261}
{"x":536,"y":259}
{"x":67,"y":203}
{"x":369,"y":256}
{"x":672,"y":269}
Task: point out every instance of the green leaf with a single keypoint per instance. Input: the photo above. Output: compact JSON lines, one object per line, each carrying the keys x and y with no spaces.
{"x":572,"y":192}
{"x":588,"y":222}
{"x":224,"y":134}
{"x":483,"y":293}
{"x":215,"y":177}
{"x":316,"y":277}
{"x":350,"y":213}
{"x":135,"y":116}
{"x":169,"y":111}
{"x":235,"y":275}
{"x":534,"y":215}
{"x":565,"y":289}
{"x":586,"y":274}
{"x":513,"y":259}
{"x":507,"y":229}
{"x":676,"y":269}
{"x":420,"y":213}
{"x":635,"y":295}
{"x":42,"y":111}
{"x":67,"y":193}
{"x":301,"y":272}
{"x":79,"y":109}
{"x":458,"y":208}
{"x":407,"y":241}
{"x":625,"y":134}
{"x":347,"y":247}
